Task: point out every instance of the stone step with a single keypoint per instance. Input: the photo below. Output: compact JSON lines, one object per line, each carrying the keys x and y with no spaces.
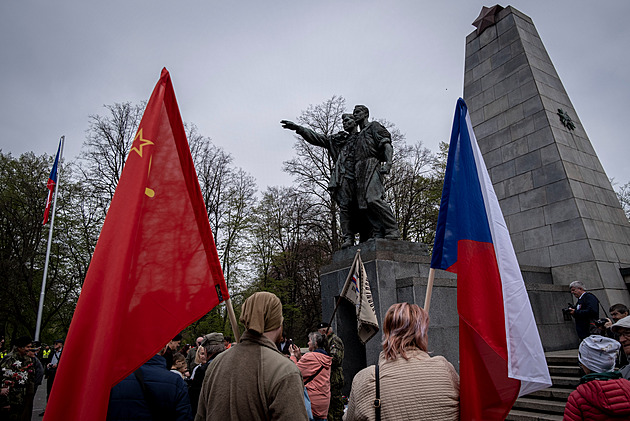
{"x":564,"y":381}
{"x":544,"y":406}
{"x":519,"y":415}
{"x":568,"y":359}
{"x":558,"y":393}
{"x":565,"y":370}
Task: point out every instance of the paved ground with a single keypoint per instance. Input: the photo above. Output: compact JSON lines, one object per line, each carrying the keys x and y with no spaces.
{"x":40,"y":401}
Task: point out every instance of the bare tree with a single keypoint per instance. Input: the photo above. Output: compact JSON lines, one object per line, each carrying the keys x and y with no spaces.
{"x":312,"y":166}
{"x":108,"y":141}
{"x":623,"y":194}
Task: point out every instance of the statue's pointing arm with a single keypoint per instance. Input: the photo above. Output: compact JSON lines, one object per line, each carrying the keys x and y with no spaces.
{"x":307,"y":134}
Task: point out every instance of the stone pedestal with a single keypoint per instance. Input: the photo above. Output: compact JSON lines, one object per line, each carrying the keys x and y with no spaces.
{"x":398,"y":272}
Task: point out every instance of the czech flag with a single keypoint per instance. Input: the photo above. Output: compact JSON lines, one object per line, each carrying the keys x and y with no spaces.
{"x":501,"y":356}
{"x":52,"y":182}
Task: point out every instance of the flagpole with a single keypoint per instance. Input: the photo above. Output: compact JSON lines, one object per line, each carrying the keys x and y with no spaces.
{"x":427,"y":297}
{"x":42,"y":294}
{"x":232,"y":316}
{"x":345,"y":285}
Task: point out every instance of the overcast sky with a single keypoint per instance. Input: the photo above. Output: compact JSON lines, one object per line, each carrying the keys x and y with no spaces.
{"x":240,"y":67}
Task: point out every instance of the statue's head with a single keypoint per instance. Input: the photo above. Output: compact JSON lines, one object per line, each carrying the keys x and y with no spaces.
{"x":349,"y":123}
{"x":361,"y":112}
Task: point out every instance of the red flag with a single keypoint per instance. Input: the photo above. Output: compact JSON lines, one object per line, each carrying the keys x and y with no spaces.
{"x":154,"y":270}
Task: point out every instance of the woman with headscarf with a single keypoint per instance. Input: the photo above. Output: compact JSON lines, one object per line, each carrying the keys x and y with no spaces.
{"x":254,"y":381}
{"x":413,"y":385}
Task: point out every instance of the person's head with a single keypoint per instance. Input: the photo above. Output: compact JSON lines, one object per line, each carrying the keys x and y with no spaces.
{"x":360,"y":113}
{"x":349,"y":123}
{"x":213,"y":344}
{"x":174,"y":343}
{"x":577,"y":288}
{"x":23,"y":344}
{"x":200,"y":355}
{"x":179,"y":362}
{"x":58,"y":344}
{"x":325,"y":329}
{"x":405,"y":326}
{"x":618,"y":312}
{"x":227,"y":340}
{"x":622,"y":328}
{"x":199,"y":341}
{"x":262,"y":313}
{"x":597,"y":354}
{"x":316,"y":340}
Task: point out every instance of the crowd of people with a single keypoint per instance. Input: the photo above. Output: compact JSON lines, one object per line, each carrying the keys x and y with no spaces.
{"x":266,"y":376}
{"x":604,"y":390}
{"x":24,"y":368}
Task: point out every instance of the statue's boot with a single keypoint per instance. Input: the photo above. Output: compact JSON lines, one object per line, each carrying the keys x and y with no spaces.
{"x":392,"y":235}
{"x":348,"y":243}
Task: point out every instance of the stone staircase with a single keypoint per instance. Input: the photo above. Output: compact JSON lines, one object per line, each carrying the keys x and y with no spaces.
{"x":548,"y":404}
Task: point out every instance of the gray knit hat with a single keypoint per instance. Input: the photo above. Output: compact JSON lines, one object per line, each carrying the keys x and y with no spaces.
{"x":598,"y":353}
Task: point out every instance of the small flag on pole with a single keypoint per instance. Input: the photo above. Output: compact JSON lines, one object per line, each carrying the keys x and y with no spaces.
{"x":155,"y":268}
{"x":501,"y":356}
{"x":357,"y":291}
{"x":52,"y":182}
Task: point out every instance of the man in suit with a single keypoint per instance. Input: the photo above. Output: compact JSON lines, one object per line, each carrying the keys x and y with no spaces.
{"x":585,"y":311}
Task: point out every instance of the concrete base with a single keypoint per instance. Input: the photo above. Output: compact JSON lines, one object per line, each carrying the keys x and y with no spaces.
{"x":398,"y":272}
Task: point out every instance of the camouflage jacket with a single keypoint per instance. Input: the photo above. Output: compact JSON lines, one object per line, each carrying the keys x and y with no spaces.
{"x":335,"y":350}
{"x":18,"y":374}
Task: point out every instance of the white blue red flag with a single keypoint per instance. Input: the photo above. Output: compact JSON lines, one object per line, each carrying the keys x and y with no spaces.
{"x":52,"y":182}
{"x":501,"y":356}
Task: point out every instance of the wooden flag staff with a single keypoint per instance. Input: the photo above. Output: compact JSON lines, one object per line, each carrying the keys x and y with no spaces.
{"x":232,"y":316}
{"x":345,"y":285}
{"x":427,"y":298}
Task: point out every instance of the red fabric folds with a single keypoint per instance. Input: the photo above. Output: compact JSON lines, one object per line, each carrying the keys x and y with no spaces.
{"x":486,"y":391}
{"x":154,"y":270}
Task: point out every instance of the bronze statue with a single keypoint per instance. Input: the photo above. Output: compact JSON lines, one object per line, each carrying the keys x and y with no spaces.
{"x":355,"y":183}
{"x":373,"y":146}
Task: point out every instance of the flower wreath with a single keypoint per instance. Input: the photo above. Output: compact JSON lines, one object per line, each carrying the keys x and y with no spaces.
{"x":16,"y":374}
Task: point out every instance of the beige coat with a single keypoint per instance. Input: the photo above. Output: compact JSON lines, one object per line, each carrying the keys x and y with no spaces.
{"x":421,"y":388}
{"x":252,"y":381}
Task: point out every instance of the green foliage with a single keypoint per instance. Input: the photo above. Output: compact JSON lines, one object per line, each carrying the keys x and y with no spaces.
{"x":276,"y":240}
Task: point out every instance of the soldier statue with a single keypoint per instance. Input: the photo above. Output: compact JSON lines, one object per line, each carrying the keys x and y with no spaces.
{"x":356,"y":180}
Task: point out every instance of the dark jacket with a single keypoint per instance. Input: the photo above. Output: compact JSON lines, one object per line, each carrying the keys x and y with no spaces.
{"x":587,"y":310}
{"x":166,"y":391}
{"x":601,"y":396}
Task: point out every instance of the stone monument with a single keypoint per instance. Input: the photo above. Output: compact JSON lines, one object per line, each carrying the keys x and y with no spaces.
{"x":361,"y":159}
{"x":564,"y":218}
{"x":559,"y":205}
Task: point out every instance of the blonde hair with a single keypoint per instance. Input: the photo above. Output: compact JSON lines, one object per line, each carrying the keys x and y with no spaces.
{"x":200,"y":356}
{"x":406,"y":325}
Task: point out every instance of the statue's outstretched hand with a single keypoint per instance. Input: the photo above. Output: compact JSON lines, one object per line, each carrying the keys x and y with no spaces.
{"x":386,"y":167}
{"x":287,"y":124}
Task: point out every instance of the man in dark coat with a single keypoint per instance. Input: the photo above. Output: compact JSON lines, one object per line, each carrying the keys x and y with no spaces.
{"x":150,"y":393}
{"x":213,"y":345}
{"x":586,"y":310}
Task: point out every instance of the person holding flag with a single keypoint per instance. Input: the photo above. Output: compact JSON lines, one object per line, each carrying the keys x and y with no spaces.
{"x":501,"y":356}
